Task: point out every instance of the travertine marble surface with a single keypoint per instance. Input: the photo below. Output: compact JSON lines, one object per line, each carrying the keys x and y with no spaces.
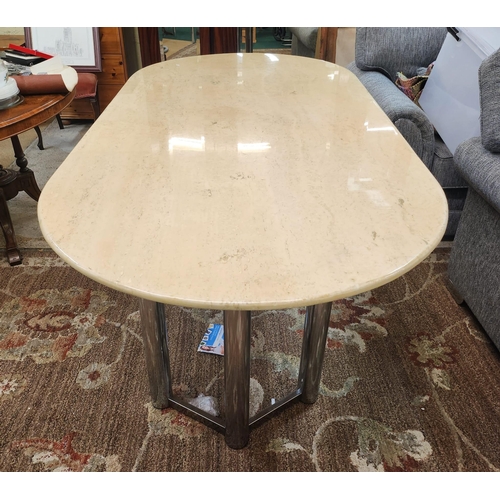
{"x":243,"y":181}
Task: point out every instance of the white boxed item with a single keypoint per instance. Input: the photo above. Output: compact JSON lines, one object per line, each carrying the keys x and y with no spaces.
{"x":450,"y":97}
{"x":8,"y":88}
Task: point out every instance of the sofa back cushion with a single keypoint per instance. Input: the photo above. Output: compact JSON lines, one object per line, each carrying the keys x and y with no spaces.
{"x":390,"y":50}
{"x":489,"y":95}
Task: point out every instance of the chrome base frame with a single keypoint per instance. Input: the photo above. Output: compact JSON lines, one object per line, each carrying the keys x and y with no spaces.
{"x":237,"y":329}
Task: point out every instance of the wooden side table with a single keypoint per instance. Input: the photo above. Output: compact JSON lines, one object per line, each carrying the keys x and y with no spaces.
{"x":32,"y":112}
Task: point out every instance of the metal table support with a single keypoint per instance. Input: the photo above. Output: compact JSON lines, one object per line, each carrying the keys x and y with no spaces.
{"x":237,"y":331}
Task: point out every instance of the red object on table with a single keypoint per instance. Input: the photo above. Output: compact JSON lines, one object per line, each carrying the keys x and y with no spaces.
{"x":31,"y":52}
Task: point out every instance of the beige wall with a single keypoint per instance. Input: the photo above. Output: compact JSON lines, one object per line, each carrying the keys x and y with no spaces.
{"x":11,"y":35}
{"x":346,"y":40}
{"x":11,"y":31}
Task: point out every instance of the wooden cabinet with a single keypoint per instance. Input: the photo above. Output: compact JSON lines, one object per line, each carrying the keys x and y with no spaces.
{"x":111,"y":79}
{"x":114,"y":72}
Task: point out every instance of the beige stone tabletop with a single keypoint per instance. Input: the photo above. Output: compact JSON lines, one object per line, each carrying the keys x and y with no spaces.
{"x":243,"y":181}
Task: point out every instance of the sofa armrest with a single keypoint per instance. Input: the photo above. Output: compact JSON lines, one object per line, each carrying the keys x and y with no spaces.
{"x":409,"y":119}
{"x":481,"y":169}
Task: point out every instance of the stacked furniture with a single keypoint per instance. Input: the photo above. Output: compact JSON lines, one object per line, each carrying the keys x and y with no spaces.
{"x":474,"y":267}
{"x":380,"y":54}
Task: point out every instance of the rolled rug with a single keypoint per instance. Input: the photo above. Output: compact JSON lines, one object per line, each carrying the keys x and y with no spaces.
{"x":40,"y":84}
{"x":48,"y":77}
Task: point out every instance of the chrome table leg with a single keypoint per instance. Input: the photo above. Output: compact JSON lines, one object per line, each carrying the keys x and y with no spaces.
{"x":237,"y":330}
{"x":313,"y":350}
{"x":154,"y":334}
{"x":237,"y":326}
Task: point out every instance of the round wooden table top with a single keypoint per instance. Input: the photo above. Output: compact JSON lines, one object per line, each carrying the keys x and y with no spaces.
{"x":33,"y":111}
{"x":242,"y":182}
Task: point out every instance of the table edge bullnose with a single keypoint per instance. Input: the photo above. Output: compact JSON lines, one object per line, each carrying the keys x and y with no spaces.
{"x":248,"y":305}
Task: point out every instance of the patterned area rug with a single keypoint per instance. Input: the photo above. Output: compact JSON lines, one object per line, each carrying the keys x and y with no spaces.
{"x":410,"y":382}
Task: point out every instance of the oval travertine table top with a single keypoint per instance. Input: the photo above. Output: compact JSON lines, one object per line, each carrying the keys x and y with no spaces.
{"x":243,"y":181}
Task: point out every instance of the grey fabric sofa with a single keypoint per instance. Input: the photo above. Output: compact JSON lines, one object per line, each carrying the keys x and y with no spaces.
{"x":381,"y":53}
{"x":474,"y":267}
{"x":304,"y":41}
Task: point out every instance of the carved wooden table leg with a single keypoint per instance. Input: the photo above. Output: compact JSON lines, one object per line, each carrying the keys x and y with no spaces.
{"x":21,"y":160}
{"x":40,"y":138}
{"x":13,"y":254}
{"x":11,"y":183}
{"x":29,"y":114}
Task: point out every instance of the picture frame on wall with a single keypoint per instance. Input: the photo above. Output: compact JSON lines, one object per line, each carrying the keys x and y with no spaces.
{"x":77,"y":47}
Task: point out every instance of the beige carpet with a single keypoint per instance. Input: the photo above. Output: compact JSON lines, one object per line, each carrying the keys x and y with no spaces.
{"x":410,"y":382}
{"x":174,"y":46}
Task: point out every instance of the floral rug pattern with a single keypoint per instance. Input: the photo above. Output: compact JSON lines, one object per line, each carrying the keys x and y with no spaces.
{"x":410,"y":382}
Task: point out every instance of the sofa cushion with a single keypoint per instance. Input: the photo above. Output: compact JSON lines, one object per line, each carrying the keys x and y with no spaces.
{"x":481,"y":170}
{"x":390,"y":50}
{"x":444,"y":168}
{"x":489,"y":91}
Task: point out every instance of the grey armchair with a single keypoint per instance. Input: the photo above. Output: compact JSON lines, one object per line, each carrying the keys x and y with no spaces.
{"x":474,"y":267}
{"x":304,"y":41}
{"x":381,"y":53}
